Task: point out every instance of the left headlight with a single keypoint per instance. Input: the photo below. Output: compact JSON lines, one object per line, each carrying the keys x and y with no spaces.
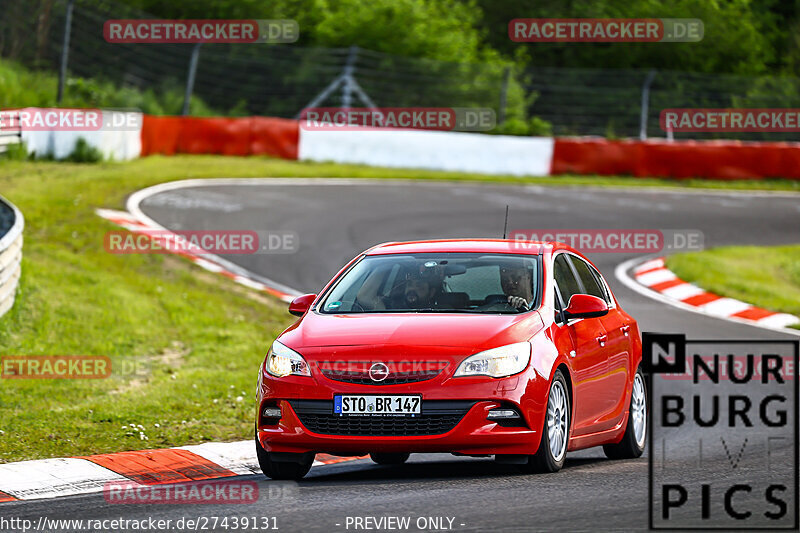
{"x":283,"y":361}
{"x":497,"y":362}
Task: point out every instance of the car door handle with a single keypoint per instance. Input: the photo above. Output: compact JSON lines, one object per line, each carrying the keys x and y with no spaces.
{"x":602,"y":339}
{"x":625,"y":330}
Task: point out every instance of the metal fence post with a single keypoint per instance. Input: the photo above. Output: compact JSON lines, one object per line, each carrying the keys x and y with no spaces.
{"x":645,"y":104}
{"x":349,"y":68}
{"x":501,"y":112}
{"x":187,"y":96}
{"x":62,"y":71}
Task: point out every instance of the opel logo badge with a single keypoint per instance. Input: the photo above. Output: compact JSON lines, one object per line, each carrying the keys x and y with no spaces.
{"x":378,"y":372}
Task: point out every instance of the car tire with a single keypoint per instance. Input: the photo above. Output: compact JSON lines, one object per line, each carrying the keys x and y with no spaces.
{"x":287,"y":467}
{"x":389,"y":458}
{"x":635,"y":438}
{"x":555,"y":429}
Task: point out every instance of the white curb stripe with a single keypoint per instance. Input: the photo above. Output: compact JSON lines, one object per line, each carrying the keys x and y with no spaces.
{"x":724,"y":307}
{"x":780,"y":320}
{"x":211,"y":267}
{"x":49,"y":478}
{"x":649,"y":265}
{"x":238,"y":457}
{"x":682,"y":291}
{"x":656,"y":276}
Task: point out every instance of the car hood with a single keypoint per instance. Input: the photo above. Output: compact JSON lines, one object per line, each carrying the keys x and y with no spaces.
{"x":469,"y":332}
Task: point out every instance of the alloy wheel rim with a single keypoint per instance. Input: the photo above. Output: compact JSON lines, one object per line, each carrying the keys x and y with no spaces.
{"x":557,"y":421}
{"x":639,"y":410}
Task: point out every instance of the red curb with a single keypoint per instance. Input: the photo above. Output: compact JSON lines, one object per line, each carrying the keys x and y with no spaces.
{"x":701,"y":299}
{"x":754,"y":313}
{"x":152,"y":467}
{"x":664,"y":285}
{"x":6,"y":497}
{"x":333,"y":459}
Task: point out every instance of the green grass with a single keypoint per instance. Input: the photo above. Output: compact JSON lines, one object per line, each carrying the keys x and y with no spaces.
{"x":198,"y":338}
{"x":767,"y":277}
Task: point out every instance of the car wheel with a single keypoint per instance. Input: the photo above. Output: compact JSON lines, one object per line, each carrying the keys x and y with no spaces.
{"x":555,"y":432}
{"x":633,"y":441}
{"x":389,"y":458}
{"x":283,"y":465}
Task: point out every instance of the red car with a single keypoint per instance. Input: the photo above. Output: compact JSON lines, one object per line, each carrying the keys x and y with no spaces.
{"x":514,"y":349}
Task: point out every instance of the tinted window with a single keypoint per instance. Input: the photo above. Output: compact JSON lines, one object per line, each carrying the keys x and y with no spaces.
{"x":446,"y":282}
{"x":591,"y":284}
{"x":565,"y":279}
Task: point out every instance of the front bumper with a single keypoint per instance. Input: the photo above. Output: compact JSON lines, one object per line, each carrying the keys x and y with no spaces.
{"x":307,"y":425}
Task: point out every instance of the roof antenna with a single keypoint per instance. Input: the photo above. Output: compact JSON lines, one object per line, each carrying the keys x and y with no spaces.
{"x":505,"y":226}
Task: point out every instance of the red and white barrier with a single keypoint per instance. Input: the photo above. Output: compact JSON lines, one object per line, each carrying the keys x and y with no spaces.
{"x":433,"y":150}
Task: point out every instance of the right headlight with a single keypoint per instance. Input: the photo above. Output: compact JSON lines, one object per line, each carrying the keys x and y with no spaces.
{"x":498,"y":362}
{"x":283,"y":361}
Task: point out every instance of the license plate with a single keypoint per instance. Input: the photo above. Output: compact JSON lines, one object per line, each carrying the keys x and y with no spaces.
{"x":373,"y":405}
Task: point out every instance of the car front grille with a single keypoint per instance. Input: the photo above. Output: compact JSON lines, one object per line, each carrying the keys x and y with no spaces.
{"x":359,"y":373}
{"x":438,"y":417}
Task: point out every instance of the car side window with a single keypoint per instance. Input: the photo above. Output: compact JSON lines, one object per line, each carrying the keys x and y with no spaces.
{"x":559,"y":307}
{"x":566,"y":283}
{"x":591,"y":284}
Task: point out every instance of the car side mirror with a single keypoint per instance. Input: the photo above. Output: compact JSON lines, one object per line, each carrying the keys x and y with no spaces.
{"x":585,"y":306}
{"x":300,"y":305}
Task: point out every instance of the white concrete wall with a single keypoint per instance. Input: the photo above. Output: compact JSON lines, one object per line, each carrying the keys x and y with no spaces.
{"x":436,"y":150}
{"x":112,"y":143}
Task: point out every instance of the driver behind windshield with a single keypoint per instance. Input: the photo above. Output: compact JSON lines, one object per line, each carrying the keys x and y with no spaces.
{"x":416,"y":289}
{"x":517,"y":284}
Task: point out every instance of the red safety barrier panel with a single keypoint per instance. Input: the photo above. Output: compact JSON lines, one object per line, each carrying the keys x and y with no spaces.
{"x":228,"y":136}
{"x":274,"y":136}
{"x":728,"y":160}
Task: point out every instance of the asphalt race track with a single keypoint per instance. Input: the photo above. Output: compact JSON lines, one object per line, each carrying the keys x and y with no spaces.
{"x":336,"y":220}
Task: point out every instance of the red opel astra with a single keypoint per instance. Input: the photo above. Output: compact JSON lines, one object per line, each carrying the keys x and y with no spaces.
{"x":515,"y":349}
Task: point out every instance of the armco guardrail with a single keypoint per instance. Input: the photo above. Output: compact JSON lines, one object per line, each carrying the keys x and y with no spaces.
{"x":11,"y":224}
{"x":11,"y":134}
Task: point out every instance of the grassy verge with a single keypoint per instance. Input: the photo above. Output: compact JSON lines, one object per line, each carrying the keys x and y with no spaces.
{"x":186,"y":344}
{"x":767,"y":277}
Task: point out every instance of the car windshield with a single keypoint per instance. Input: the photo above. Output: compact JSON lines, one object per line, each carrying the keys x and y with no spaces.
{"x":437,"y":282}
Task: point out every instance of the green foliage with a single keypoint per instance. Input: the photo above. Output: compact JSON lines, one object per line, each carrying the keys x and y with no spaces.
{"x":84,"y":153}
{"x":21,"y":87}
{"x":434,"y":29}
{"x":741,"y":36}
{"x":16,"y":152}
{"x":516,"y":126}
